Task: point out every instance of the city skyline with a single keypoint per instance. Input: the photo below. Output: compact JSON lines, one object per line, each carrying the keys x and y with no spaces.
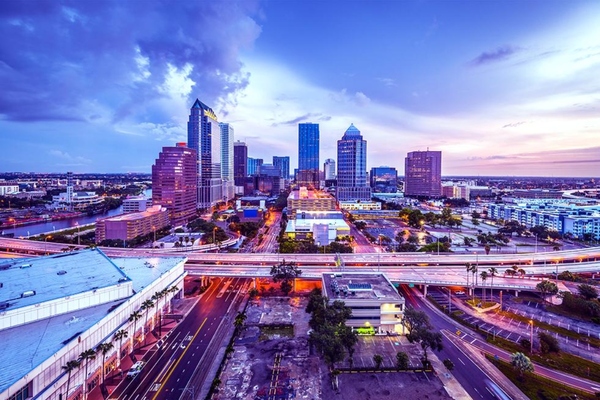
{"x":500,"y":88}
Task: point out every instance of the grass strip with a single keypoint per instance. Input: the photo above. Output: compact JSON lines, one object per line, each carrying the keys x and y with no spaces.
{"x":539,"y":388}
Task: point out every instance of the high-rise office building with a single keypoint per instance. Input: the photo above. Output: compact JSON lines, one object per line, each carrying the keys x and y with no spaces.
{"x":308,"y":154}
{"x":384,"y":179}
{"x":175,"y":183}
{"x":423,"y":173}
{"x":254,"y":165}
{"x":204,"y":136}
{"x":227,"y":160}
{"x":329,"y":169}
{"x":284,"y":165}
{"x":240,"y":162}
{"x":352,"y":182}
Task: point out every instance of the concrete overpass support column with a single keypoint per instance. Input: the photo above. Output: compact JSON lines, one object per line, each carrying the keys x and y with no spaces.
{"x":516,"y":293}
{"x":425,"y":290}
{"x":255,"y":282}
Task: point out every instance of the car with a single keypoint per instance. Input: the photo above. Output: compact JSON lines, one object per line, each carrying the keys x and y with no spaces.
{"x":135,"y":369}
{"x":459,"y":292}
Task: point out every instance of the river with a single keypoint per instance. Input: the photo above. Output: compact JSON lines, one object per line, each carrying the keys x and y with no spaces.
{"x":52,"y":226}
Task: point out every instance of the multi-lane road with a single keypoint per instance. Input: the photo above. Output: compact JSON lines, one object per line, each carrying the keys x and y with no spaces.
{"x":179,"y":363}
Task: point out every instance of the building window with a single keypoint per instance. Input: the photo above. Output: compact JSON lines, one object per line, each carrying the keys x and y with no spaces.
{"x":21,"y":394}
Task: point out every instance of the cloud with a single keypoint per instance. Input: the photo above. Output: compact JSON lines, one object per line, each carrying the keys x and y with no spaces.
{"x":296,"y":120}
{"x":127,"y":56}
{"x":514,"y":124}
{"x":359,"y":98}
{"x":387,"y":81}
{"x":68,"y":159}
{"x":501,"y":53}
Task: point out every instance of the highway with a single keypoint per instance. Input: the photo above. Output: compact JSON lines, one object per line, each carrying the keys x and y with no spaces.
{"x":180,"y":365}
{"x":469,"y":375}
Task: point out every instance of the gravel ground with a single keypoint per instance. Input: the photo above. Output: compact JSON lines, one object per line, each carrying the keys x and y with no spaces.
{"x":285,"y":358}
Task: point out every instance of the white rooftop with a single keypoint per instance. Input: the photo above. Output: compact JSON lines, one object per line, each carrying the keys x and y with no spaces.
{"x":36,"y":280}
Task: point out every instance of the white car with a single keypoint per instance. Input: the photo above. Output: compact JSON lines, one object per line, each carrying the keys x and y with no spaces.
{"x":459,"y":292}
{"x":135,"y":369}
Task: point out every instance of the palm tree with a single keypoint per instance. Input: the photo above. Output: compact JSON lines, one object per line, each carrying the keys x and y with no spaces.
{"x":378,"y":360}
{"x":492,"y":272}
{"x":468,"y":267}
{"x":474,"y":272}
{"x":156,"y":297}
{"x":69,"y":367}
{"x":104,"y":348}
{"x":134,"y":318}
{"x":120,"y":335}
{"x":85,"y":357}
{"x":187,"y":240}
{"x":483,"y":276}
{"x":240,"y":318}
{"x":146,"y":306}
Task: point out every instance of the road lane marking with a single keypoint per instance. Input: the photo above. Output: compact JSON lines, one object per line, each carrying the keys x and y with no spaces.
{"x":180,"y":358}
{"x":463,"y":363}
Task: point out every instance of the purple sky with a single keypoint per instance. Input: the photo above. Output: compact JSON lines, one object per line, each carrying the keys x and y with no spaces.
{"x":500,"y":87}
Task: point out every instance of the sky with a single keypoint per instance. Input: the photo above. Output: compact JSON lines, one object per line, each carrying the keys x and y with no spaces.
{"x":500,"y":87}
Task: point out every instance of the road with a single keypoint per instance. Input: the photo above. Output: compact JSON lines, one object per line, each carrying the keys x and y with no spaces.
{"x":188,"y":351}
{"x":468,"y":374}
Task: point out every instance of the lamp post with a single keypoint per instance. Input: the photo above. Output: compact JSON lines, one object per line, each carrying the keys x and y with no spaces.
{"x":379,"y":254}
{"x":531,"y":337}
{"x":501,"y":308}
{"x":154,"y":231}
{"x":46,"y":243}
{"x":214,"y":240}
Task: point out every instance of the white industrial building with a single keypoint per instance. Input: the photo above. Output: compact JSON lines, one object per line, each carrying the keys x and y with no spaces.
{"x":53,"y":308}
{"x":374,"y":300}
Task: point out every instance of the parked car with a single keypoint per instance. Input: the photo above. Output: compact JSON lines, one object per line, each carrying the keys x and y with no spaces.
{"x":459,"y":292}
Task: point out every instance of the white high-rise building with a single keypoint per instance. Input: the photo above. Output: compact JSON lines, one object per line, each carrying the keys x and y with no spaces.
{"x":329,"y":169}
{"x":227,"y":139}
{"x":352,"y":183}
{"x":204,"y":136}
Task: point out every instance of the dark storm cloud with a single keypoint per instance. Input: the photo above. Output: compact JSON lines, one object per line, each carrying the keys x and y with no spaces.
{"x":61,"y":59}
{"x":499,"y":54}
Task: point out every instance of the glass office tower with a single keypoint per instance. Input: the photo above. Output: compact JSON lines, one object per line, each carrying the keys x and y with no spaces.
{"x":352,"y":182}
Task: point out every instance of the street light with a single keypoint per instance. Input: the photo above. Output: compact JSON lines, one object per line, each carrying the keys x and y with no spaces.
{"x":214,"y":240}
{"x":154,"y":231}
{"x":46,"y":243}
{"x":531,"y":337}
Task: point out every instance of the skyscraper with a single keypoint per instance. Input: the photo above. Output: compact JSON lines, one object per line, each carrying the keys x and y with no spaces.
{"x":308,"y":154}
{"x":284,"y":165}
{"x":423,"y":173}
{"x":240,"y":162}
{"x":174,"y":182}
{"x":352,"y":182}
{"x":227,"y":160}
{"x":329,"y":169}
{"x":204,"y":136}
{"x":254,"y":165}
{"x":384,"y":179}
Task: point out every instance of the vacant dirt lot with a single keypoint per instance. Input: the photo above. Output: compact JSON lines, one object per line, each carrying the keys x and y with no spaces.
{"x":278,"y":361}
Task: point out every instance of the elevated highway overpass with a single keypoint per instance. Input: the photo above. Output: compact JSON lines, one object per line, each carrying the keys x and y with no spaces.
{"x":412,"y":268}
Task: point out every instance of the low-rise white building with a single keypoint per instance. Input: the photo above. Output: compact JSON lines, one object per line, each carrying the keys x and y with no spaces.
{"x":322,"y":226}
{"x":374,"y":300}
{"x":53,"y":308}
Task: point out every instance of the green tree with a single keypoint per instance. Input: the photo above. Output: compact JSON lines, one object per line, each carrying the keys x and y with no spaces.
{"x":468,"y":268}
{"x":69,"y":368}
{"x":401,"y":361}
{"x":448,"y":364}
{"x":285,"y":273}
{"x":240,"y":318}
{"x":378,"y":360}
{"x":104,"y":349}
{"x":588,"y":292}
{"x":548,"y":343}
{"x":521,"y":363}
{"x":85,"y":357}
{"x":546,"y":288}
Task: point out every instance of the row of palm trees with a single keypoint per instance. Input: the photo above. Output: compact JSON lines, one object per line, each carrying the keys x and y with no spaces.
{"x":490,"y":273}
{"x":105,"y":348}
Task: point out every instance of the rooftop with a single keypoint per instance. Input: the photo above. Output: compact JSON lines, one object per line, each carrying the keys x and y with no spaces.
{"x":36,"y":280}
{"x":360,"y":286}
{"x":136,"y":215}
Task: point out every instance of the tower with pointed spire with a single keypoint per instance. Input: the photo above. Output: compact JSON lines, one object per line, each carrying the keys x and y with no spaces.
{"x":204,"y":136}
{"x":352,"y":184}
